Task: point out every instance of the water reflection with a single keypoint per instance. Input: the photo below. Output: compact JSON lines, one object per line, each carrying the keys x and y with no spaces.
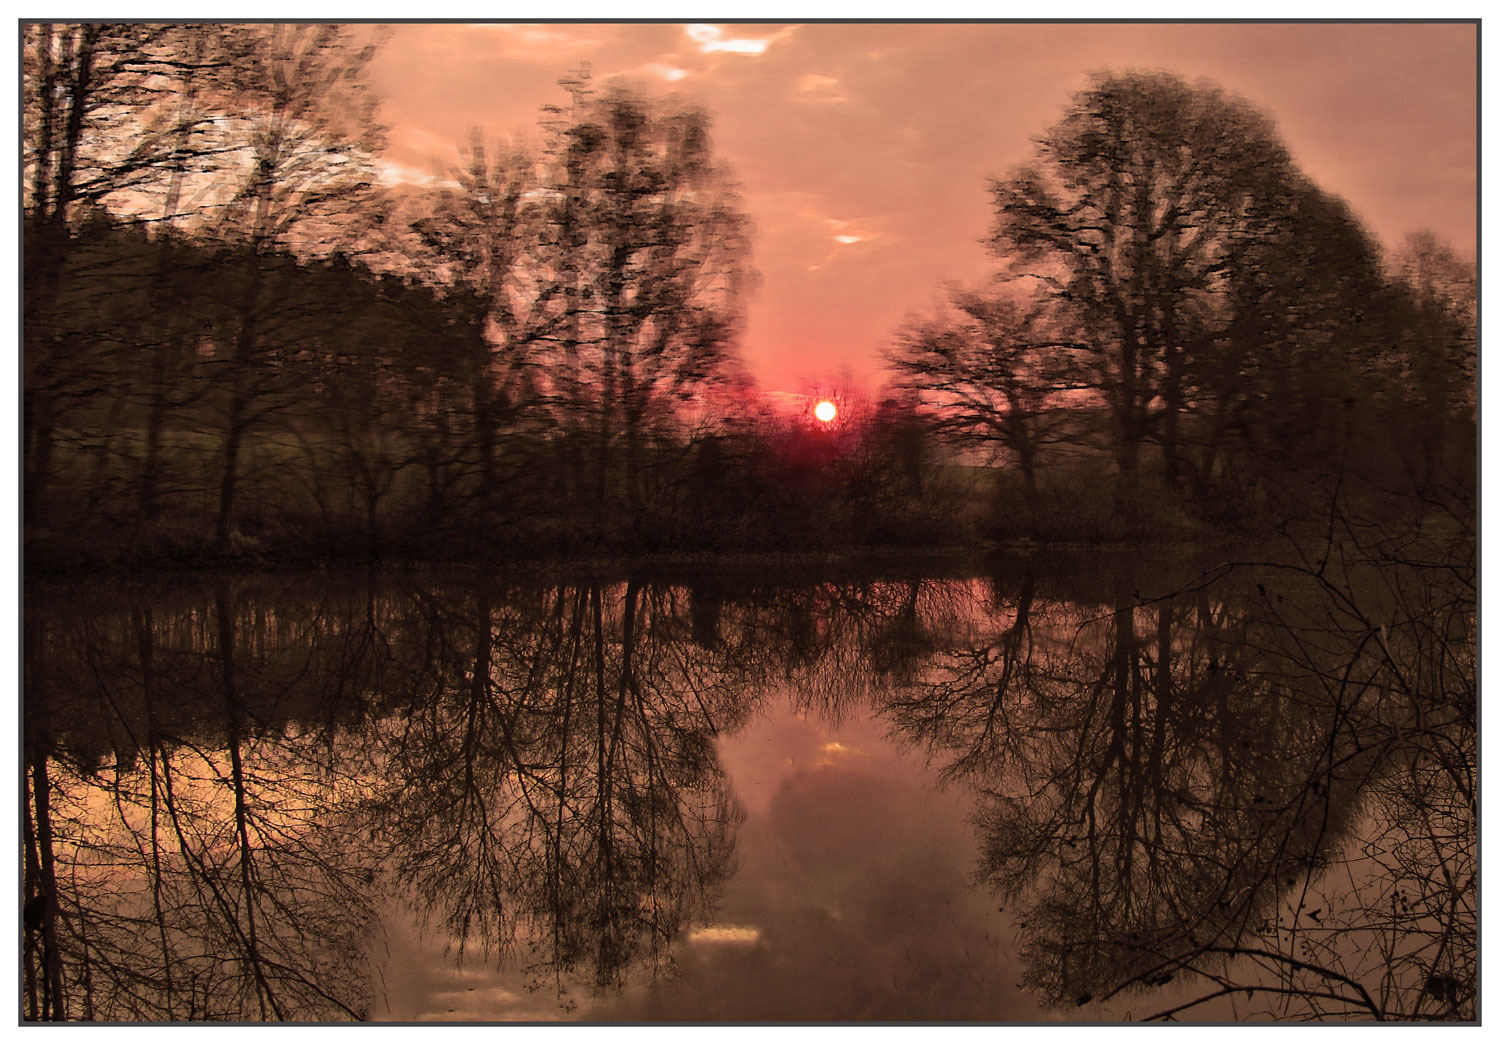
{"x":552,"y":785}
{"x":1165,"y":788}
{"x":1243,"y":792}
{"x":180,"y":862}
{"x":1138,"y":784}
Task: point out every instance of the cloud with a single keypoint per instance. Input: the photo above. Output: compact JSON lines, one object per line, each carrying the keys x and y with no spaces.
{"x":392,"y":173}
{"x":838,"y":755}
{"x":848,"y":233}
{"x":816,"y":89}
{"x":741,"y":935}
{"x":667,"y":70}
{"x":711,"y":39}
{"x":544,"y":42}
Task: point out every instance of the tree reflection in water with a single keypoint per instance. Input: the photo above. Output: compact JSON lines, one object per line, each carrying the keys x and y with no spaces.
{"x":208,"y":833}
{"x":1257,"y":790}
{"x":555,"y":787}
{"x":1167,"y":788}
{"x":178,"y":861}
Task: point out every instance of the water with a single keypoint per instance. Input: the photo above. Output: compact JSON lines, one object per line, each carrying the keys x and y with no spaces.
{"x":1025,"y":791}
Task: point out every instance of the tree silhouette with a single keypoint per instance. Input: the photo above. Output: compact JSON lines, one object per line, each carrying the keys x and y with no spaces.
{"x":103,"y":125}
{"x":1142,"y":196}
{"x":1260,"y":785}
{"x":1295,"y":353}
{"x":185,"y":857}
{"x":1431,"y":364}
{"x":307,"y":129}
{"x":484,"y":235}
{"x":556,"y":798}
{"x":991,"y":373}
{"x":1244,"y":789}
{"x":649,"y":256}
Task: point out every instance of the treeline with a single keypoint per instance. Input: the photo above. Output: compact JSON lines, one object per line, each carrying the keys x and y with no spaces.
{"x":1175,"y":295}
{"x":370,"y":422}
{"x":241,"y":341}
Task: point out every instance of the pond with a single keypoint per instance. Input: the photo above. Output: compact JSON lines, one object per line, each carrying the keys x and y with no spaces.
{"x":1034,"y":789}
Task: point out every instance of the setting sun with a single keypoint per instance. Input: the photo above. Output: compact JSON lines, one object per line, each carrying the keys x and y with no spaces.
{"x":825,"y":411}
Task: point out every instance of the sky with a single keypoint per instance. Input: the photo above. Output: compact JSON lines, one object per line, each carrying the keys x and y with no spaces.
{"x":863,"y":151}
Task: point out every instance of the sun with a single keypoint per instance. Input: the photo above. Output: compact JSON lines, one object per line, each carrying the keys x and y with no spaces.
{"x":825,"y":411}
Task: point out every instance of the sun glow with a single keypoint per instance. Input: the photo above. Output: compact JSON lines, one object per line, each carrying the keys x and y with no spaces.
{"x":825,"y":411}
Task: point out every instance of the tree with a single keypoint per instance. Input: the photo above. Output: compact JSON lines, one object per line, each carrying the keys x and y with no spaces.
{"x":484,"y":234}
{"x":1297,"y":333}
{"x":304,"y":120}
{"x":1140,"y":198}
{"x":367,"y":346}
{"x":1432,"y":364}
{"x":648,"y":248}
{"x":104,"y":124}
{"x":185,"y":857}
{"x":606,"y":274}
{"x":263,"y":132}
{"x":558,"y":793}
{"x":992,"y":372}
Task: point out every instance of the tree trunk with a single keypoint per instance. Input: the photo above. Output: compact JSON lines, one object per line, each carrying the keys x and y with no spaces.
{"x":484,"y":439}
{"x":601,"y":477}
{"x":634,"y":482}
{"x":235,"y":712}
{"x":53,"y":199}
{"x":41,"y":426}
{"x":229,"y":479}
{"x":41,"y":872}
{"x":1127,"y":475}
{"x":1026,"y":458}
{"x":1212,"y":447}
{"x":372,"y":520}
{"x":151,"y":465}
{"x":1171,"y":412}
{"x":145,"y":630}
{"x":245,"y":350}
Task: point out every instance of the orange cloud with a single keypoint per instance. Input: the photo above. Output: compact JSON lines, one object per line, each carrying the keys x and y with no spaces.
{"x":712,"y":39}
{"x":817,"y":89}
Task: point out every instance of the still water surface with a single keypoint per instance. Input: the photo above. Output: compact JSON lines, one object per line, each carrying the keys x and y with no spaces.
{"x":1022,"y":792}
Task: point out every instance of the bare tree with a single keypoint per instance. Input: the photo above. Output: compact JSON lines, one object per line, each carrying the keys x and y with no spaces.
{"x":650,"y":256}
{"x":484,"y":236}
{"x":185,"y":859}
{"x":104,"y":125}
{"x":992,"y":372}
{"x":1141,"y":197}
{"x":305,"y":127}
{"x":557,"y":798}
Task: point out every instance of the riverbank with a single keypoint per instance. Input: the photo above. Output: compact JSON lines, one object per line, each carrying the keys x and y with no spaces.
{"x":49,"y":556}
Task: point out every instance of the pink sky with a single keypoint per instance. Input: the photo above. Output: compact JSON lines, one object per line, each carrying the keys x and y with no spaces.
{"x":863,"y":151}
